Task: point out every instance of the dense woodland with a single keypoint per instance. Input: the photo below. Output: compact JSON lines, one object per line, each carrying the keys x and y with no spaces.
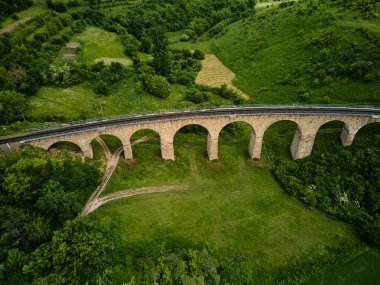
{"x":10,"y":7}
{"x":38,"y":194}
{"x":43,"y":241}
{"x":344,"y":184}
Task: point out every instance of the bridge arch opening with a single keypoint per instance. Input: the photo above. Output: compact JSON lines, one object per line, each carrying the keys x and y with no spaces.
{"x":98,"y":144}
{"x":236,"y":139}
{"x":189,"y":141}
{"x":145,"y":144}
{"x":368,"y":134}
{"x":328,"y":136}
{"x":278,"y":138}
{"x":66,"y":146}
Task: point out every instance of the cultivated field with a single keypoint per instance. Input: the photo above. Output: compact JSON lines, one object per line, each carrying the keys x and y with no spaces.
{"x":215,"y":74}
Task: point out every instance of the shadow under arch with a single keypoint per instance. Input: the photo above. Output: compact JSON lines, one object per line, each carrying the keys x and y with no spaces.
{"x":66,"y":146}
{"x":111,"y":141}
{"x":368,"y":133}
{"x":191,"y":139}
{"x":329,"y":136}
{"x":238,"y":133}
{"x":278,"y":139}
{"x":145,"y":143}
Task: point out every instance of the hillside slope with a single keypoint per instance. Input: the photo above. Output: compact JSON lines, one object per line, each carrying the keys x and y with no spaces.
{"x":306,"y":51}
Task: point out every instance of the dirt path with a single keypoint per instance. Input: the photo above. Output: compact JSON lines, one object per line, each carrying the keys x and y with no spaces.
{"x":112,"y":161}
{"x":106,"y":150}
{"x":215,"y":74}
{"x":132,"y":192}
{"x":9,"y":28}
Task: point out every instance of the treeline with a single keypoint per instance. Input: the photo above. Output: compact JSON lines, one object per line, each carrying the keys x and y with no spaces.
{"x":344,"y":184}
{"x":10,"y":7}
{"x":38,"y":194}
{"x":194,"y":16}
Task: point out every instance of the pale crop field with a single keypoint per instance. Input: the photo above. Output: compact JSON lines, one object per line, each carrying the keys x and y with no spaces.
{"x":215,"y":74}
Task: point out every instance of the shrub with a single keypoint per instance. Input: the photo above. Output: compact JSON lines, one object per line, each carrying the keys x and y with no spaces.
{"x":326,"y":100}
{"x":199,"y":54}
{"x":156,"y":85}
{"x":102,"y":88}
{"x":197,"y":96}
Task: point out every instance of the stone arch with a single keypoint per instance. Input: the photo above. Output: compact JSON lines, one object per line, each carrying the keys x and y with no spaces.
{"x":237,"y":120}
{"x":111,"y":140}
{"x":212,"y":140}
{"x":335,"y":123}
{"x":82,"y":144}
{"x":364,"y":128}
{"x":66,"y":145}
{"x":133,"y":139}
{"x":263,"y":131}
{"x":240,"y":133}
{"x":270,"y":123}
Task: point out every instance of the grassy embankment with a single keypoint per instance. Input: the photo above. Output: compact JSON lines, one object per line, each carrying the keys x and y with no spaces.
{"x":265,"y":49}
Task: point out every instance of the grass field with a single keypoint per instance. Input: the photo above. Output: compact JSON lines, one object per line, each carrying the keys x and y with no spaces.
{"x":80,"y":101}
{"x":363,"y":270}
{"x":234,"y":203}
{"x":98,"y":43}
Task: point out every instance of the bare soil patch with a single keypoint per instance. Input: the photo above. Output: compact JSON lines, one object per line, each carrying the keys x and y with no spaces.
{"x":9,"y":28}
{"x":73,"y":45}
{"x":68,"y":53}
{"x":108,"y":60}
{"x":215,"y":74}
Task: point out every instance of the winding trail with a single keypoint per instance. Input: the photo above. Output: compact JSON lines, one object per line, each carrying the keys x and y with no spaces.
{"x":112,"y":161}
{"x":96,"y":203}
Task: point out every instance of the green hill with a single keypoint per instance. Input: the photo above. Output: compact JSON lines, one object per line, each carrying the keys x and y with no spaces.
{"x":306,"y":51}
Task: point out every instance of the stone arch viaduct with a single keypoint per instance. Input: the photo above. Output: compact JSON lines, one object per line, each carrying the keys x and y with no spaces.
{"x":308,"y":119}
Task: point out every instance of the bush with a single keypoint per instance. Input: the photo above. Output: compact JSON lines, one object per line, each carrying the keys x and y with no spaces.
{"x":156,"y":85}
{"x":199,"y":54}
{"x":12,"y":106}
{"x":197,"y":96}
{"x":102,"y":88}
{"x":326,"y":100}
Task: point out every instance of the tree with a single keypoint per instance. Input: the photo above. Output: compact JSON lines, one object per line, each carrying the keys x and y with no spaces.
{"x":156,"y":85}
{"x":12,"y":106}
{"x":145,"y":43}
{"x":58,"y":205}
{"x":162,"y":61}
{"x":77,"y":250}
{"x":102,"y":88}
